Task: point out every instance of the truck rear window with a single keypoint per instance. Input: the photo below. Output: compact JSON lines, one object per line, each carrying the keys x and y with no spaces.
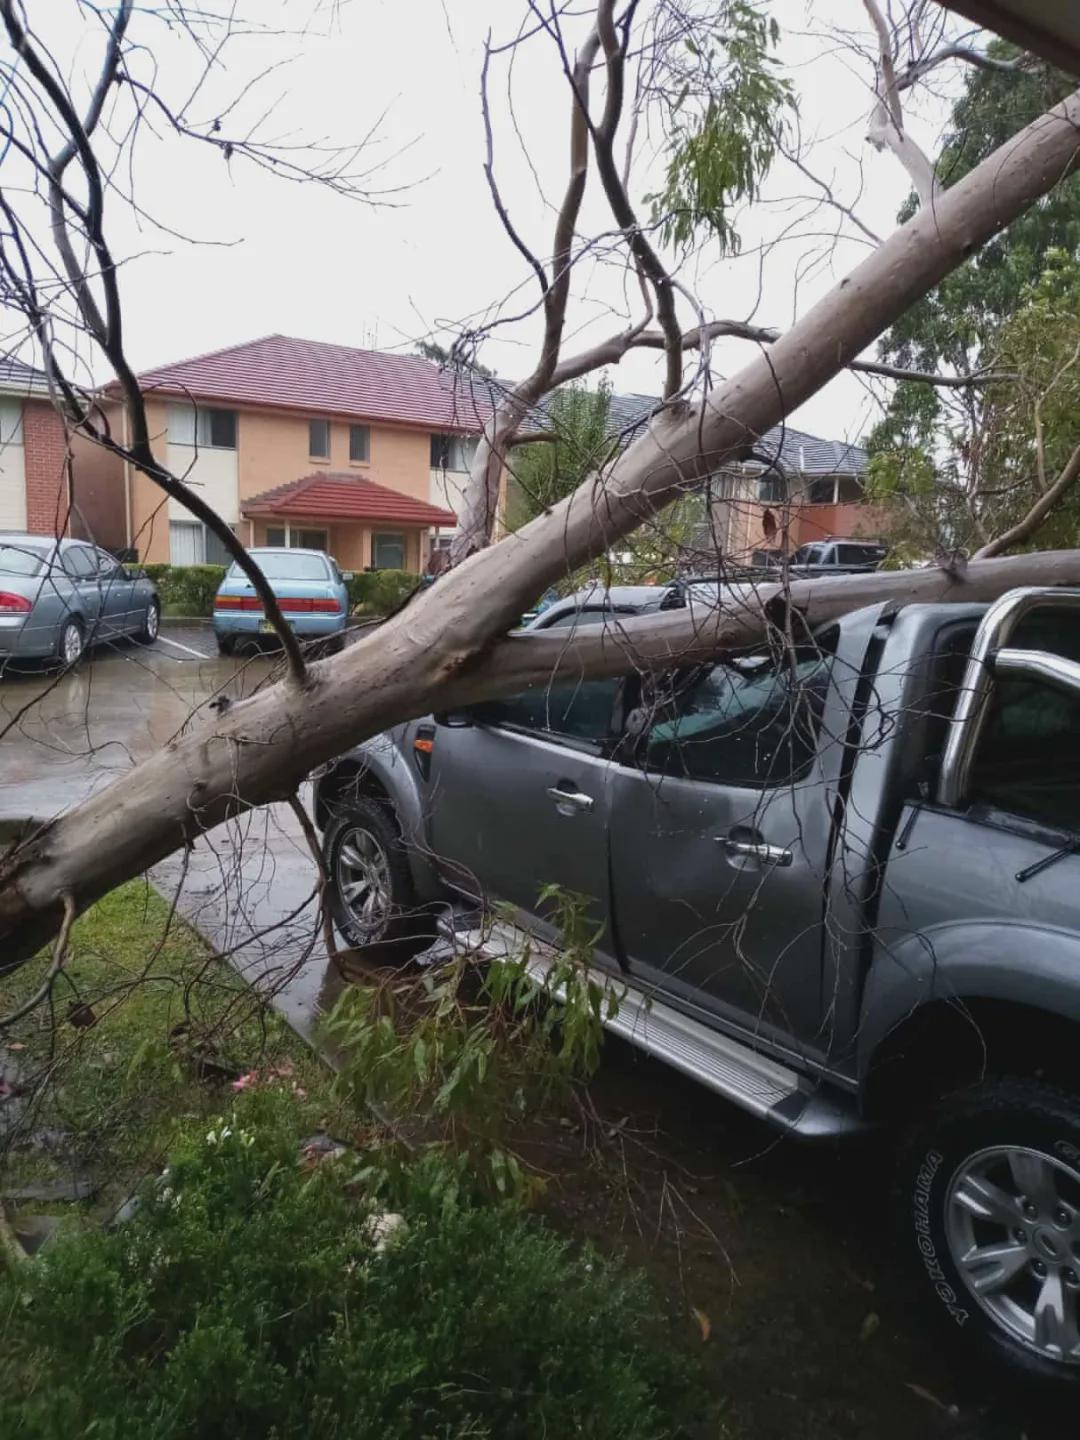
{"x":1028,"y":759}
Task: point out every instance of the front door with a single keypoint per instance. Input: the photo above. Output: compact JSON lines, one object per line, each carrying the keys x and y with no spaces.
{"x":720,"y":840}
{"x":520,"y":800}
{"x":116,"y":596}
{"x":81,"y":565}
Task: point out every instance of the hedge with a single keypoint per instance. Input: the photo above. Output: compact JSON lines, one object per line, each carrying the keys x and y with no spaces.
{"x":257,"y":1294}
{"x":190,"y":589}
{"x":187,"y":589}
{"x":378,"y":592}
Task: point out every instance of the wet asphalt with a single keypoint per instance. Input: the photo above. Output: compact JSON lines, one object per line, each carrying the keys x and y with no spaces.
{"x":249,"y":887}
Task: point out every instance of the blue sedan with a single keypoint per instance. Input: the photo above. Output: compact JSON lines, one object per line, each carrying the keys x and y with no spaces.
{"x":310,"y":590}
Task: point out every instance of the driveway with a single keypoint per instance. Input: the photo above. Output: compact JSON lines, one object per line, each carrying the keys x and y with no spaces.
{"x":774,"y":1257}
{"x":249,"y":887}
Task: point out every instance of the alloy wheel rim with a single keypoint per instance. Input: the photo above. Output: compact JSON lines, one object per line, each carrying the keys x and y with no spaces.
{"x":72,"y":644}
{"x":363,"y":882}
{"x":1012,"y":1223}
{"x":152,"y":621}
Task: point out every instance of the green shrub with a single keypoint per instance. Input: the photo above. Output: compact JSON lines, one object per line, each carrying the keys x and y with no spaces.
{"x":187,"y":589}
{"x":378,"y":592}
{"x":192,"y":588}
{"x":249,"y":1297}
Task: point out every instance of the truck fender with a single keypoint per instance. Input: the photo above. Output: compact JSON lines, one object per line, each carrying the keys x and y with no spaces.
{"x":1013,"y":961}
{"x":379,"y":764}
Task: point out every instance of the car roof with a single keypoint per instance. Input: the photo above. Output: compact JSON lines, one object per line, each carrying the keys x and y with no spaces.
{"x":20,"y":537}
{"x":285,"y":550}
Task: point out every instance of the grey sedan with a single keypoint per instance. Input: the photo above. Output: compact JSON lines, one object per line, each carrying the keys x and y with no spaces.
{"x":59,"y":596}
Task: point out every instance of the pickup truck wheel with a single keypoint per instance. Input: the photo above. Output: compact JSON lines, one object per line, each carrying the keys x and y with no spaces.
{"x":371,"y":894}
{"x":990,"y":1192}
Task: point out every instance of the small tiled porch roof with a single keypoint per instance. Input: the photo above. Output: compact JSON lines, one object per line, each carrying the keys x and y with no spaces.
{"x":328,"y":495}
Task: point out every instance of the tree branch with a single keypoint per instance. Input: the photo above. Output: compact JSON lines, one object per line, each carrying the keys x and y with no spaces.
{"x":887,"y":121}
{"x":107,"y":329}
{"x":1025,"y":528}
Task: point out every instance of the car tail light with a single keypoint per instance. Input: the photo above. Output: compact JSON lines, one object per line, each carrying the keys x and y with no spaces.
{"x":307,"y":605}
{"x":14,"y":604}
{"x":237,"y":602}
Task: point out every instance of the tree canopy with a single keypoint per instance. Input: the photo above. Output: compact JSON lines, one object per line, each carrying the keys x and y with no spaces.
{"x":950,"y":457}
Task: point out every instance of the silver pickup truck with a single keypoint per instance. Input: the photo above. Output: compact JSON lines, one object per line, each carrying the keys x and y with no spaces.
{"x":839,"y":885}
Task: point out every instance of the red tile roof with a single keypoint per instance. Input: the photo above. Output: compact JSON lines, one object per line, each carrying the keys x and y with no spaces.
{"x":330,"y":496}
{"x":332,"y":380}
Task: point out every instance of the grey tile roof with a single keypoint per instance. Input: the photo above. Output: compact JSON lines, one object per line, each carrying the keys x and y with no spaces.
{"x":797,"y":450}
{"x":17,"y":375}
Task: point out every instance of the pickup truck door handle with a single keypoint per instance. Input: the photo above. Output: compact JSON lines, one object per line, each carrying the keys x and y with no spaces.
{"x":755,"y":849}
{"x":569,"y":800}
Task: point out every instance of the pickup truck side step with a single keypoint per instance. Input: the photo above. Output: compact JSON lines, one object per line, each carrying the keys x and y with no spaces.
{"x":752,"y":1081}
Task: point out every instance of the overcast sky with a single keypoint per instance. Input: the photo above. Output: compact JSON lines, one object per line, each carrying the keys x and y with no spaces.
{"x":265,"y":255}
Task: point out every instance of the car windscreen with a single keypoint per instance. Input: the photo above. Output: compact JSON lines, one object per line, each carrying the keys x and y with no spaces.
{"x":286,"y":565}
{"x":22,"y":559}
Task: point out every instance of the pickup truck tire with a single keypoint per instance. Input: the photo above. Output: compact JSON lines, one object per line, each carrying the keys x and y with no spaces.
{"x":371,"y":895}
{"x":990,"y":1220}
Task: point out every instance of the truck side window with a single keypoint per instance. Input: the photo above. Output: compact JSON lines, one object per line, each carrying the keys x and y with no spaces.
{"x":756,"y":727}
{"x":575,"y":712}
{"x":1028,"y":761}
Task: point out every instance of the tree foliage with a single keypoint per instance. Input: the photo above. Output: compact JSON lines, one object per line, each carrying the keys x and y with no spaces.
{"x":577,"y":424}
{"x":940,"y":453}
{"x":724,"y":98}
{"x":980,"y":479}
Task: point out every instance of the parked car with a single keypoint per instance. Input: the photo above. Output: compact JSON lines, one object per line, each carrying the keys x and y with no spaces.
{"x":591,"y":603}
{"x":838,"y":557}
{"x":841,"y":888}
{"x":57,"y":597}
{"x":310,"y":589}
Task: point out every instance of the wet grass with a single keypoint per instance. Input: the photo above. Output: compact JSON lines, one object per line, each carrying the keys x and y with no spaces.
{"x":143,"y":1034}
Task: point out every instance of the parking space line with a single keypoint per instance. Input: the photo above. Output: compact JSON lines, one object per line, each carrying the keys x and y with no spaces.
{"x":199,"y":654}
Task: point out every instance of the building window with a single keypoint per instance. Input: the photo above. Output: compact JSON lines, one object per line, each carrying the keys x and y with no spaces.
{"x":388,"y":552}
{"x":452,"y":452}
{"x":207,"y":429}
{"x":319,"y":439}
{"x":277,"y":535}
{"x":772,"y":489}
{"x":10,"y":422}
{"x":822,"y":492}
{"x":359,"y":444}
{"x":191,"y":543}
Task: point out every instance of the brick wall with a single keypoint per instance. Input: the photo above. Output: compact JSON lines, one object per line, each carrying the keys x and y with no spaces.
{"x":44,"y":450}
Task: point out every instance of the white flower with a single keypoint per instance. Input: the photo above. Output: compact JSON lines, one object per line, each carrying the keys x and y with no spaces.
{"x":385,"y":1230}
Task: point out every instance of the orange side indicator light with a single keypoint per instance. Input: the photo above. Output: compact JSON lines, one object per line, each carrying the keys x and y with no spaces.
{"x":426,"y":747}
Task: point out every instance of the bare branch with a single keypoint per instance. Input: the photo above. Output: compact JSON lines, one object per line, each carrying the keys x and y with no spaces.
{"x":887,"y":127}
{"x":1025,"y":528}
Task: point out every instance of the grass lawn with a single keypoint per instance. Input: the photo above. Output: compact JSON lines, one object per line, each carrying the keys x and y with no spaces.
{"x":164,"y":1031}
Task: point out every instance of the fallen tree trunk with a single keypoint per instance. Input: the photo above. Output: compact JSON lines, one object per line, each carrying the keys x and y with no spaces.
{"x":265,"y":746}
{"x":443,"y":649}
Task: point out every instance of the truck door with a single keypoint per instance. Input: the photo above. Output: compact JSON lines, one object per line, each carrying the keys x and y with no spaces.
{"x":721,"y":840}
{"x":519,"y":798}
